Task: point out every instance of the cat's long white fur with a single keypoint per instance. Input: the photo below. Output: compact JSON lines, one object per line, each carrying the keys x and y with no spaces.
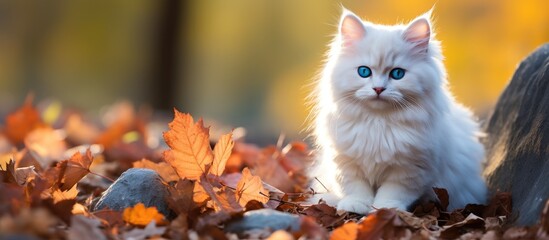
{"x":376,"y":153}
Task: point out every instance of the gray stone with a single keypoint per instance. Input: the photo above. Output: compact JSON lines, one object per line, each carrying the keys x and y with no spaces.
{"x":136,"y":185}
{"x":265,"y":219}
{"x":518,"y":138}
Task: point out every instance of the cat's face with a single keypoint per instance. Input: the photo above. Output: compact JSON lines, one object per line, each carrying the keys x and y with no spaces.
{"x":384,"y":68}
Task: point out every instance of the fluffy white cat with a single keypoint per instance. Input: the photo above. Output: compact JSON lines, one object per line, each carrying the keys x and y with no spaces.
{"x":387,"y":128}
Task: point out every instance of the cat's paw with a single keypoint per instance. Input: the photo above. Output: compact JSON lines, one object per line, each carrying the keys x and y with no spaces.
{"x":355,"y":204}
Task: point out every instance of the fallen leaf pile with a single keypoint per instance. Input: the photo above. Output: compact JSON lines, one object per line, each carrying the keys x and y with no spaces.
{"x":54,"y":165}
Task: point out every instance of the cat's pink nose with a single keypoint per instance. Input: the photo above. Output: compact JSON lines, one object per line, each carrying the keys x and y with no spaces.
{"x":379,"y":90}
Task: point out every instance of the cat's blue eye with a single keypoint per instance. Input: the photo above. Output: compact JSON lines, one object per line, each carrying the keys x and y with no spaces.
{"x":397,"y":73}
{"x":364,"y":71}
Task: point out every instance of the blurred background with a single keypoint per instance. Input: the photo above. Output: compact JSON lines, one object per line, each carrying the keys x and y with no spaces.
{"x":244,"y":62}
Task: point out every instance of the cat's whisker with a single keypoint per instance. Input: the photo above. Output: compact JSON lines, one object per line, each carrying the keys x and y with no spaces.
{"x":346,"y":96}
{"x":413,"y":103}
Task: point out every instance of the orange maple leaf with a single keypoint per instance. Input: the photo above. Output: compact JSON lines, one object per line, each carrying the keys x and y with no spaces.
{"x":222,"y":152}
{"x":250,"y":188}
{"x":190,"y":153}
{"x":139,"y":215}
{"x":73,"y":169}
{"x":22,"y":122}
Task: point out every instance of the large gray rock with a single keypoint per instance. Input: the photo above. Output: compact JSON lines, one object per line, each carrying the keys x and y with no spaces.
{"x":518,"y":138}
{"x":137,"y":185}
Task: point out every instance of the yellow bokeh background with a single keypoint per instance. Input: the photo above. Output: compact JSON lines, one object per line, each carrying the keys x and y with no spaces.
{"x":483,"y":41}
{"x":244,"y":62}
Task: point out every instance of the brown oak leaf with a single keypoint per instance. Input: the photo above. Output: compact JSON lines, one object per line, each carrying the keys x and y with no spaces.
{"x":222,"y":198}
{"x":181,"y":196}
{"x":325,"y":215}
{"x":250,"y":188}
{"x":222,"y":152}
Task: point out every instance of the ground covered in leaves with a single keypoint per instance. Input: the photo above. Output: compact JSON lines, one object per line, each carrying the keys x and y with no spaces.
{"x":55,"y":162}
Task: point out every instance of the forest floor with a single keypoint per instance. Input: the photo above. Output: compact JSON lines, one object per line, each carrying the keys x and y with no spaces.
{"x":54,"y":162}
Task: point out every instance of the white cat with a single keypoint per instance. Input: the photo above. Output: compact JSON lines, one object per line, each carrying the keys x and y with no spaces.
{"x":387,"y":128}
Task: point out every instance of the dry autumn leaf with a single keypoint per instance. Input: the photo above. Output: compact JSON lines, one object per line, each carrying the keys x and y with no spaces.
{"x":151,"y":231}
{"x":62,"y":209}
{"x":163,"y":169}
{"x":250,"y":187}
{"x":325,"y":215}
{"x":417,"y":222}
{"x":47,"y":144}
{"x":23,"y":174}
{"x":74,"y":169}
{"x":139,"y":215}
{"x":85,"y":228}
{"x":281,"y":169}
{"x":37,"y":222}
{"x":59,"y":195}
{"x":79,"y":131}
{"x":455,"y":230}
{"x":221,"y":198}
{"x":200,"y":195}
{"x":443,"y":198}
{"x":231,"y":180}
{"x":37,"y":190}
{"x":79,"y":209}
{"x":382,"y":224}
{"x":109,"y":217}
{"x":22,"y":122}
{"x":17,"y":175}
{"x":190,"y":152}
{"x":206,"y":204}
{"x":226,"y":200}
{"x":310,"y":229}
{"x":7,"y":173}
{"x":346,"y":232}
{"x":181,"y":196}
{"x":222,"y":152}
{"x":5,"y":146}
{"x":121,"y":119}
{"x":11,"y":198}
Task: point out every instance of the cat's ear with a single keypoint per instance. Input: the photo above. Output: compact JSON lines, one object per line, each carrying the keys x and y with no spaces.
{"x":419,"y":32}
{"x":351,"y":28}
